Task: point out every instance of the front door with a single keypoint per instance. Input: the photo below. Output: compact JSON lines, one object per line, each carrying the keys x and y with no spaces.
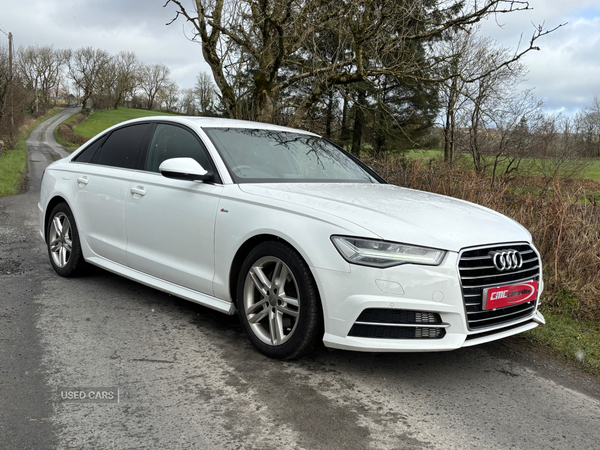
{"x":170,"y":223}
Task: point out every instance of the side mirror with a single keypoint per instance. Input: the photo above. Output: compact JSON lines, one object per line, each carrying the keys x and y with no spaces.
{"x":184,"y":169}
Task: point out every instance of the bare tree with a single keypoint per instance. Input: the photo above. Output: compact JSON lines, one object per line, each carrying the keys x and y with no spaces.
{"x":589,"y":128}
{"x":126,"y":77}
{"x":117,"y":79}
{"x":205,"y":93}
{"x":6,"y":86}
{"x":169,"y":95}
{"x":279,"y":42}
{"x":106,"y":79}
{"x":482,"y":107}
{"x":13,"y":99}
{"x":486,"y":96}
{"x":84,"y":66}
{"x":153,"y":78}
{"x":458,"y":56}
{"x":39,"y":67}
{"x":559,"y":154}
{"x":187,"y":102}
{"x":5,"y":82}
{"x":516,"y":132}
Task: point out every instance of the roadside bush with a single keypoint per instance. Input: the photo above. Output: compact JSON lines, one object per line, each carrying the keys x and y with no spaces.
{"x":565,"y":231}
{"x":65,"y":130}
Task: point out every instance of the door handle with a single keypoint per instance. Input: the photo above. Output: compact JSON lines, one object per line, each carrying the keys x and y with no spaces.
{"x":82,"y":181}
{"x":138,"y":191}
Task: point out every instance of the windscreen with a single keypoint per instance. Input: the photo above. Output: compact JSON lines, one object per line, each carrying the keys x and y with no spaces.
{"x":268,"y":156}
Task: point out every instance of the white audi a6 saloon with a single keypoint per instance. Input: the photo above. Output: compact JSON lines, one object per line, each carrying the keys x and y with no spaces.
{"x":306,"y":243}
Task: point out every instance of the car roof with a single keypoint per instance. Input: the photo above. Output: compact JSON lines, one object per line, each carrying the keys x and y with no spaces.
{"x":218,"y":122}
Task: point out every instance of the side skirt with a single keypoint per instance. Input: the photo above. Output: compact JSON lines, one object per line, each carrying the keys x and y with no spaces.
{"x":165,"y":286}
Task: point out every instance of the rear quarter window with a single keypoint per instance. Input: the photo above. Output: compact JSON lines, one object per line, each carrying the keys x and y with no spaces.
{"x":86,"y":155}
{"x":123,"y":146}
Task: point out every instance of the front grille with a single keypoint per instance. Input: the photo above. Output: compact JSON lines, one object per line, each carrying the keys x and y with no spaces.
{"x":382,"y":323}
{"x":477,"y":272}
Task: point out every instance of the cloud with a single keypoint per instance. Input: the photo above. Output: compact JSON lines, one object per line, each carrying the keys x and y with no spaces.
{"x":113,"y":25}
{"x":564,"y":72}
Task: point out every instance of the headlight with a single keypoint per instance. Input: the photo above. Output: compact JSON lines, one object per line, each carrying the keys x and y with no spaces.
{"x":374,"y":253}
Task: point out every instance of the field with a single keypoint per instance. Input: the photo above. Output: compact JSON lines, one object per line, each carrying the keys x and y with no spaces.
{"x":592,"y":170}
{"x":532,"y":166}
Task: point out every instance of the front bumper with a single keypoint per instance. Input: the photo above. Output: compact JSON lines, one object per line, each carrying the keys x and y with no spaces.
{"x":414,"y":288}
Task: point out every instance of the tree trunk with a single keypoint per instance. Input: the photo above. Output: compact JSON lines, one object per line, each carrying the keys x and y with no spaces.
{"x":474,"y":140}
{"x":345,"y":133}
{"x":264,"y":107}
{"x":450,"y":126}
{"x":117,"y":101}
{"x":329,"y":116}
{"x":359,"y":119}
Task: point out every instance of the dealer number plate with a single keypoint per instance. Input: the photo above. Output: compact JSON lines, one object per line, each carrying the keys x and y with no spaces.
{"x":514,"y":294}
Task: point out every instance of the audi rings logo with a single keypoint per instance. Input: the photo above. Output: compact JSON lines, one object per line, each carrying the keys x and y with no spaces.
{"x":506,"y":260}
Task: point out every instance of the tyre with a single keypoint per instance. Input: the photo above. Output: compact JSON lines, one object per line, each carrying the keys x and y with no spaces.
{"x":62,"y":239}
{"x":278,"y":302}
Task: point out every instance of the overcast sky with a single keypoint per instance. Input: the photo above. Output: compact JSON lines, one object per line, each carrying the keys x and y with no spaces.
{"x":565,"y":73}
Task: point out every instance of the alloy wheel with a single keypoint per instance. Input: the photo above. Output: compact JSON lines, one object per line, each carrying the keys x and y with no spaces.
{"x":271,"y":300}
{"x":61,"y":244}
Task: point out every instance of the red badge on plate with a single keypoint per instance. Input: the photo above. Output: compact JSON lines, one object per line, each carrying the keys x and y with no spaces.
{"x":499,"y":297}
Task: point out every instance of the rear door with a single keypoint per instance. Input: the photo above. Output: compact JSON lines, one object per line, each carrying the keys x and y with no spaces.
{"x":102,"y":179}
{"x":170,"y":223}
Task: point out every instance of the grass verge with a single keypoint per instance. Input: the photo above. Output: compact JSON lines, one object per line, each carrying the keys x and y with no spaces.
{"x":574,"y":341}
{"x":13,"y":163}
{"x":68,"y":146}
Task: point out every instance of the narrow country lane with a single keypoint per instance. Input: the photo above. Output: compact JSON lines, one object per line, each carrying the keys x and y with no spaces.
{"x":188,"y":377}
{"x":25,"y":399}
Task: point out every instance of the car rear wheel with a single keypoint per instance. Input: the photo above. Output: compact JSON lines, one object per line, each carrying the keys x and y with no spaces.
{"x":278,"y":302}
{"x":62,"y":239}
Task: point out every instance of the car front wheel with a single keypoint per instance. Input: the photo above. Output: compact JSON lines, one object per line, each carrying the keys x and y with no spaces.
{"x":63,"y":244}
{"x":278,"y":302}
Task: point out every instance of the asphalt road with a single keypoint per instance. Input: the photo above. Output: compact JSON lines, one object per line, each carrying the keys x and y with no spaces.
{"x":188,"y":378}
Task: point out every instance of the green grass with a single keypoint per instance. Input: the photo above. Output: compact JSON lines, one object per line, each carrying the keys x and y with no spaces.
{"x":566,"y":334}
{"x":13,"y":163}
{"x":531,"y":165}
{"x":423,"y":154}
{"x":592,"y":171}
{"x":577,"y":342}
{"x":101,"y":120}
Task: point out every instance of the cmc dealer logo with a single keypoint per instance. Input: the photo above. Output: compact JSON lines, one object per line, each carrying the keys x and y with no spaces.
{"x":91,"y":395}
{"x":508,"y":294}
